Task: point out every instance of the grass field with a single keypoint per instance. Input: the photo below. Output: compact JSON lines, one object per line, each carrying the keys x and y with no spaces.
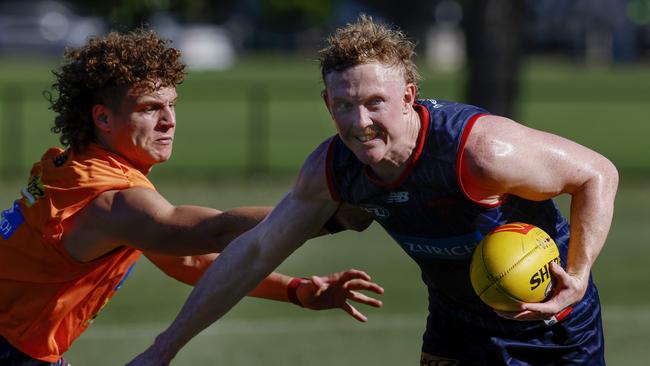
{"x":603,"y":109}
{"x":282,"y":334}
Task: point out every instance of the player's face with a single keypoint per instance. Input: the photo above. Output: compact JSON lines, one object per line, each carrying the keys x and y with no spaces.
{"x":142,"y":130}
{"x":370,"y":105}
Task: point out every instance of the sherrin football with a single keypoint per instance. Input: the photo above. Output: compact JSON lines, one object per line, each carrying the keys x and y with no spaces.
{"x":512,"y":264}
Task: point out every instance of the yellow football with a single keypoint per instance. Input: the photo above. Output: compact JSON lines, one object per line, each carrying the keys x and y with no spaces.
{"x":512,"y":264}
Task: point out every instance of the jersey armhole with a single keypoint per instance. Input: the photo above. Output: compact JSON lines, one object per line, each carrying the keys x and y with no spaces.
{"x":488,"y":202}
{"x":329,"y":170}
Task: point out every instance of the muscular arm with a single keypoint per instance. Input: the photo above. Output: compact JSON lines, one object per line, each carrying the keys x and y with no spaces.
{"x":143,"y":219}
{"x":503,"y":157}
{"x":298,"y":216}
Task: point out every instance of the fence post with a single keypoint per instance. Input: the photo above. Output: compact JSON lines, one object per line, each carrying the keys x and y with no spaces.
{"x":13,"y":138}
{"x":258,"y":131}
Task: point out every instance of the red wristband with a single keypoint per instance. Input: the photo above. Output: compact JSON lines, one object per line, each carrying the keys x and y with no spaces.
{"x":291,"y":291}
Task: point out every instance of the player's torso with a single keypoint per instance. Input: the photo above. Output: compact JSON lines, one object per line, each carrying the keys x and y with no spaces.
{"x":426,"y":211}
{"x":58,"y":297}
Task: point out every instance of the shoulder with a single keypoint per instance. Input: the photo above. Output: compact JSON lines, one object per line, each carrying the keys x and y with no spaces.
{"x":99,"y":166}
{"x":312,"y":179}
{"x":487,"y":157}
{"x":449,"y":109}
{"x":492,"y":137}
{"x":125,"y":201}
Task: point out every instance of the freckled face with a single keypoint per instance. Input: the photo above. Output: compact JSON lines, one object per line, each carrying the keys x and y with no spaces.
{"x":367,"y":103}
{"x":142,"y":130}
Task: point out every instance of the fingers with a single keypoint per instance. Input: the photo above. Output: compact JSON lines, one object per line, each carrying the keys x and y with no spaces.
{"x":358,"y":285}
{"x":559,"y":272}
{"x":512,"y":315}
{"x":364,"y":299}
{"x":549,"y":307}
{"x":351,"y":274}
{"x":354,"y":312}
{"x":563,"y":296}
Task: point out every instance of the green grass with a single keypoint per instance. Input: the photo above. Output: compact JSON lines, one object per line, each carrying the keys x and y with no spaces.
{"x":283,"y":334}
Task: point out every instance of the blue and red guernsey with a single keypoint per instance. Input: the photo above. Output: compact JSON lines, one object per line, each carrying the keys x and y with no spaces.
{"x":429,"y":214}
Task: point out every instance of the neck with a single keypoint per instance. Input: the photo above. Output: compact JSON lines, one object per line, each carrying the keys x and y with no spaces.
{"x":108,"y":147}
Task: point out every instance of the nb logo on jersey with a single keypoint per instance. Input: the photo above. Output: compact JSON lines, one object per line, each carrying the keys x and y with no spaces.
{"x":397,"y":197}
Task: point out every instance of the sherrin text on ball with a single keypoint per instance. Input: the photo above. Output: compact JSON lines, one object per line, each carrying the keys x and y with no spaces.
{"x":512,"y":265}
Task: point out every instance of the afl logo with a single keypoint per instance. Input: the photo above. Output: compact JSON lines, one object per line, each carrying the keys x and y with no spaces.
{"x":377,"y":211}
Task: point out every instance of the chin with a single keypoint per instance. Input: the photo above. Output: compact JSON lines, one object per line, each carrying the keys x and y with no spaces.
{"x":163,"y":159}
{"x":368,"y":158}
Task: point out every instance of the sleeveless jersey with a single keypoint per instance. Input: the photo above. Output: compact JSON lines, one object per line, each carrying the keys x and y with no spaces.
{"x":429,"y":215}
{"x":47,"y":298}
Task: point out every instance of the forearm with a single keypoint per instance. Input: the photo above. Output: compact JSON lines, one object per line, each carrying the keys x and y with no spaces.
{"x":273,"y":287}
{"x":228,"y":225}
{"x":236,"y":272}
{"x":194,"y":230}
{"x":186,"y":269}
{"x":592,"y":209}
{"x":189,"y":269}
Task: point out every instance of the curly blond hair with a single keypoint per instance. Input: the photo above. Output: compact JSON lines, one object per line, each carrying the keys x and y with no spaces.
{"x":102,"y":71}
{"x":368,"y":41}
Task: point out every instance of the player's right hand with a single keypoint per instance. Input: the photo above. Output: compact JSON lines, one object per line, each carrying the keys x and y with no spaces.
{"x":334,"y":291}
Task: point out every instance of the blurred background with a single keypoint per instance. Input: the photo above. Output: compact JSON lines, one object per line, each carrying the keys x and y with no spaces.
{"x":250,"y":111}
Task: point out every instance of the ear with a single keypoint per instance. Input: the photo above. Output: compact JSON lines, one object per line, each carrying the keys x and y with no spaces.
{"x":323,"y":95}
{"x":410,"y":95}
{"x":101,"y":117}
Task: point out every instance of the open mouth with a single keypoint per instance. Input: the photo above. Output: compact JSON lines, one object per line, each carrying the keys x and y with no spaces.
{"x":369,"y":133}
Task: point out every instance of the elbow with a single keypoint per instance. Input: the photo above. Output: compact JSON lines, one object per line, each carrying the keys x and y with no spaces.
{"x":609,"y":177}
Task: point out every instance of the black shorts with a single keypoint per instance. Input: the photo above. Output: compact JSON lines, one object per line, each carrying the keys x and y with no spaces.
{"x":575,"y":340}
{"x":9,"y":355}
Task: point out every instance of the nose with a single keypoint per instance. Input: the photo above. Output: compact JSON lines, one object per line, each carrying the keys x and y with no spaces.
{"x":167,"y":117}
{"x":361,"y":117}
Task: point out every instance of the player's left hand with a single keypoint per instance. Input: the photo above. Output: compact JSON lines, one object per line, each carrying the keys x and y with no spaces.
{"x":568,"y":290}
{"x":334,"y":291}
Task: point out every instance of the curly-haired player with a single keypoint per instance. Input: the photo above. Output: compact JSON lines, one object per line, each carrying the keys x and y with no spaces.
{"x":88,"y":211}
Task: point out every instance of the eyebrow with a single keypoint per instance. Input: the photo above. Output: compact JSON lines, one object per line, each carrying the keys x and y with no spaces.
{"x":150,"y":99}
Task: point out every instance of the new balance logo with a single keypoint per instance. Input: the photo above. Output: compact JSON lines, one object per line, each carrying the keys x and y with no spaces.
{"x":397,"y":197}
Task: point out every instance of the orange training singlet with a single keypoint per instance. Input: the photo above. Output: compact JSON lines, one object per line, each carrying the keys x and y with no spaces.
{"x":47,"y":298}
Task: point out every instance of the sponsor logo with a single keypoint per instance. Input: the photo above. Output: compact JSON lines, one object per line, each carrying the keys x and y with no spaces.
{"x":435,"y":103}
{"x":11,"y":219}
{"x":431,"y":251}
{"x":522,"y":229}
{"x":542,"y":275}
{"x":456,"y":247}
{"x":431,"y":360}
{"x":377,"y":211}
{"x":398,"y":197}
{"x":34,"y":190}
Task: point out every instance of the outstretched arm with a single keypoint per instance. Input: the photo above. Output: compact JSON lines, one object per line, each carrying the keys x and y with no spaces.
{"x":145,"y":220}
{"x":318,"y":293}
{"x":300,"y":215}
{"x":504,"y":157}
